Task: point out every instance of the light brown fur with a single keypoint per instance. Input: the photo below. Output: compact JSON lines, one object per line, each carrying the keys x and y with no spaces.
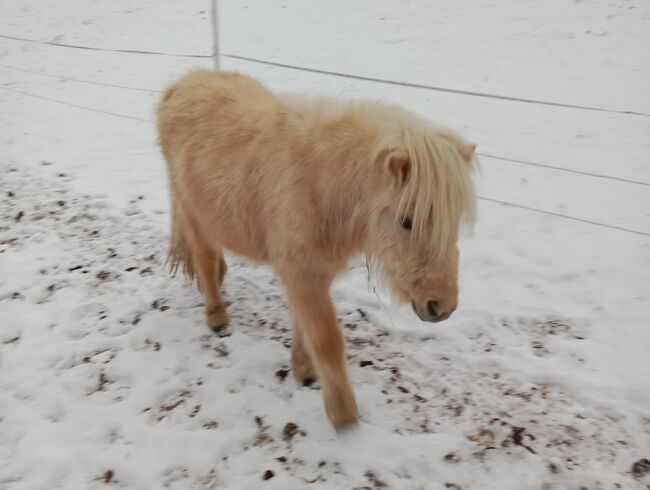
{"x":305,"y":184}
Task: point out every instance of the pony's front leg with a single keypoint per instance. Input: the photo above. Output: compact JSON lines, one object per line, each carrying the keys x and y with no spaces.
{"x":303,"y":368}
{"x":324,"y":342}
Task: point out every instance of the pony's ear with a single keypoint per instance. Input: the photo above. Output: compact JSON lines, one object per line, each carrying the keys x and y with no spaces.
{"x":396,"y":164}
{"x":467,"y":151}
{"x":465,"y":148}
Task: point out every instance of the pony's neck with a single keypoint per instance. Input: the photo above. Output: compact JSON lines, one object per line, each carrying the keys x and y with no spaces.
{"x":348,"y":191}
{"x":344,"y":140}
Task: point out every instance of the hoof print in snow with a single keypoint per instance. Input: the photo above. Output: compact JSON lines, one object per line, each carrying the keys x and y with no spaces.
{"x":451,"y":458}
{"x":374,"y":480}
{"x":108,"y":477}
{"x":641,"y":468}
{"x":102,"y":382}
{"x":103,"y":275}
{"x":180,"y":400}
{"x":291,"y":430}
{"x":281,"y":374}
{"x":154,"y":345}
{"x":158,"y":304}
{"x":553,"y":468}
{"x":221,"y":350}
{"x":363,"y":315}
{"x":268,"y":474}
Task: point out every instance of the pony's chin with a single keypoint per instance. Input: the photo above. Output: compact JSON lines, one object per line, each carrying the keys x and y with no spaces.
{"x":416,"y":310}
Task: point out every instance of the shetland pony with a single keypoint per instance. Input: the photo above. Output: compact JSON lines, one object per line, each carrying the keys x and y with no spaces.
{"x":305,"y":184}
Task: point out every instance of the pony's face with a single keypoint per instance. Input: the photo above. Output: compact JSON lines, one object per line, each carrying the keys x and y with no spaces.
{"x":412,"y":270}
{"x":413,"y":232}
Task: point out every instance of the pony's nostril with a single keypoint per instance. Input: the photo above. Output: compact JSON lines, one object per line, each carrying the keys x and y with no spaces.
{"x":432,"y":308}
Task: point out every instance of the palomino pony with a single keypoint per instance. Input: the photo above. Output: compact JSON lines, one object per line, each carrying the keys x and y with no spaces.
{"x":305,"y":184}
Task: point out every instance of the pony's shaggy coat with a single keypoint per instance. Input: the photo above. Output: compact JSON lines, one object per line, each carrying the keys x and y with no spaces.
{"x":305,"y":184}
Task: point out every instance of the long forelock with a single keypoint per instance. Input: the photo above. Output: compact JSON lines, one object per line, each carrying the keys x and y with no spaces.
{"x":439,"y":193}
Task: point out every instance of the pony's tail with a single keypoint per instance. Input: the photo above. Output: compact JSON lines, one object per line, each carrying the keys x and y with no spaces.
{"x":179,"y":252}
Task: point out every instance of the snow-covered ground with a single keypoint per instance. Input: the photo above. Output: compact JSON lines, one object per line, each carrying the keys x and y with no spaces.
{"x":541,"y":380}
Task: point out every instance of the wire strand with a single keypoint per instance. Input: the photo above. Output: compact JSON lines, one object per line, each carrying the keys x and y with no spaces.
{"x":560,"y":215}
{"x":109,"y":50}
{"x":78,"y":106}
{"x":60,"y":77}
{"x":341,"y":75}
{"x":563,"y":169}
{"x":433,"y":87}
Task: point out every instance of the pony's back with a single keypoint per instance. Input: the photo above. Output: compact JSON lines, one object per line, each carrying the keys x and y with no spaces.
{"x":195,"y":98}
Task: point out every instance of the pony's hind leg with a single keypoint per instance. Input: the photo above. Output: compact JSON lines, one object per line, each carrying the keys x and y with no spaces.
{"x":323,"y":340}
{"x":210,"y":268}
{"x":222,"y":268}
{"x":215,"y":308}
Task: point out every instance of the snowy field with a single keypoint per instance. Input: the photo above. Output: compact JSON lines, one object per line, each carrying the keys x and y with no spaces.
{"x":541,"y":379}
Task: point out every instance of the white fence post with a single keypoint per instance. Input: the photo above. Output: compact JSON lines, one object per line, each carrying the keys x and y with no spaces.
{"x":215,"y":34}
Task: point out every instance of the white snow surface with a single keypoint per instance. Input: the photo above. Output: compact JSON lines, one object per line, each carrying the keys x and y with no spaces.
{"x":541,"y":379}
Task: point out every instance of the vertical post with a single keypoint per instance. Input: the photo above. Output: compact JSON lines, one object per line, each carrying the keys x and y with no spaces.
{"x":215,"y":35}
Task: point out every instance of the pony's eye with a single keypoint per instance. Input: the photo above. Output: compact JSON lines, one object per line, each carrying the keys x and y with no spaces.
{"x":406,"y":223}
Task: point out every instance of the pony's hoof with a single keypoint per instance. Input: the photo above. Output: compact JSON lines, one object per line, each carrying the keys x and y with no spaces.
{"x":222,"y":330}
{"x":341,"y":409}
{"x":304,"y":372}
{"x":218,"y":320}
{"x":347,"y":428}
{"x":305,"y":377}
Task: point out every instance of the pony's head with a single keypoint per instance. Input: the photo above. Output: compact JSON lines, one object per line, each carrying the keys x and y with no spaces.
{"x":422,"y":192}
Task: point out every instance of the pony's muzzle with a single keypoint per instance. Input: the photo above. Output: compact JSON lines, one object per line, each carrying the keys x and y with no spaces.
{"x":431,"y":311}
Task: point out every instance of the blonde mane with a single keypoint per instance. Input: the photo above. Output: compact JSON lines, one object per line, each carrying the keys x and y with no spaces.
{"x":438,"y":195}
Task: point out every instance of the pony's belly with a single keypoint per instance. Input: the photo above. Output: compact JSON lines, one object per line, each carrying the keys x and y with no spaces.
{"x":239,"y":241}
{"x":228,"y":222}
{"x":247,"y":249}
